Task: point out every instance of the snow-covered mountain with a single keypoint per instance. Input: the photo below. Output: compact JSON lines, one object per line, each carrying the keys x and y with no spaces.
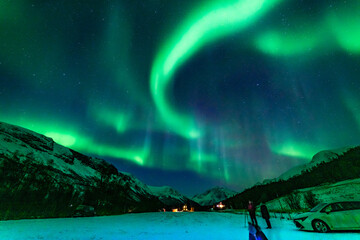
{"x":320,"y":157}
{"x":213,"y":196}
{"x":171,"y":198}
{"x":59,"y":177}
{"x":168,"y":195}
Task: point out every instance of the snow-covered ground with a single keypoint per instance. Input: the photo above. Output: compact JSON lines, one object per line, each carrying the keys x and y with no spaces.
{"x":197,"y":225}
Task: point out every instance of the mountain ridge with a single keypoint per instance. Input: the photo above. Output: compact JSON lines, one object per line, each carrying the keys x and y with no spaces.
{"x":335,"y":168}
{"x":55,"y":179}
{"x":213,"y":196}
{"x":172,"y":198}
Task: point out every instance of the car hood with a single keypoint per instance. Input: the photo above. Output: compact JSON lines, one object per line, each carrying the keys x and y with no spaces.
{"x":302,"y":215}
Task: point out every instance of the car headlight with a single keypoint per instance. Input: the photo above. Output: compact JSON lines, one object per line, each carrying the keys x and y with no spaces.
{"x":301,"y":219}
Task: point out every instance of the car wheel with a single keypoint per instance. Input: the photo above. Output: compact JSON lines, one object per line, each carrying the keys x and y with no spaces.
{"x":320,"y":226}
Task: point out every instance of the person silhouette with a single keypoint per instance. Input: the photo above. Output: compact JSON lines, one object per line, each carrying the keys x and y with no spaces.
{"x":265,"y":215}
{"x":252,"y":209}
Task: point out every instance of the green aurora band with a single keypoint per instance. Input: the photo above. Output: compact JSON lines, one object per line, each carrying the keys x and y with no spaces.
{"x":68,"y":136}
{"x":119,"y":121}
{"x":201,"y":29}
{"x":295,"y":149}
{"x":339,"y":27}
{"x":277,"y":43}
{"x":345,"y":25}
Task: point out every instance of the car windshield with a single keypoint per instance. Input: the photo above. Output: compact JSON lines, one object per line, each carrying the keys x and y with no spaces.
{"x":318,"y":207}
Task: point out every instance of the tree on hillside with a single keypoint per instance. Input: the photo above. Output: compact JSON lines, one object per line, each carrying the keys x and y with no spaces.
{"x":310,"y":199}
{"x":293,"y":201}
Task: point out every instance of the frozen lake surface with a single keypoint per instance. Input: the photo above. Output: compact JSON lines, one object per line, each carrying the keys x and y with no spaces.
{"x":188,"y":226}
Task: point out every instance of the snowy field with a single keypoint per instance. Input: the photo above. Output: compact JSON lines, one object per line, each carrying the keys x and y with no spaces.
{"x":197,"y":225}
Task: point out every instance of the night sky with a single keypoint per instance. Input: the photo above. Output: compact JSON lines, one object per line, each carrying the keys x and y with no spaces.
{"x":190,"y":94}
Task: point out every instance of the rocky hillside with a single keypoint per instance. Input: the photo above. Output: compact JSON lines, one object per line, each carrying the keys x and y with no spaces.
{"x":213,"y":196}
{"x":306,"y":198}
{"x":41,"y":178}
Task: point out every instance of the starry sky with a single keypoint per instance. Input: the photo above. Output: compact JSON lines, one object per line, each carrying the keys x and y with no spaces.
{"x":190,"y":94}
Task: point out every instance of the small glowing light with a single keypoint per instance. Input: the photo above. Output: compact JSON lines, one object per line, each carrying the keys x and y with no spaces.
{"x":220,"y":205}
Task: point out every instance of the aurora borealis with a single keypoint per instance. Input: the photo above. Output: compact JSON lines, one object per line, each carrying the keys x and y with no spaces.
{"x":183,"y":93}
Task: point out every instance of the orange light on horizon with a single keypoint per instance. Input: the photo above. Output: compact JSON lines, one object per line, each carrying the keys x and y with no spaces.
{"x":220,"y":205}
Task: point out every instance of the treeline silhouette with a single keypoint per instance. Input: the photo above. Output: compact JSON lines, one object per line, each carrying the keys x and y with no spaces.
{"x":32,"y":190}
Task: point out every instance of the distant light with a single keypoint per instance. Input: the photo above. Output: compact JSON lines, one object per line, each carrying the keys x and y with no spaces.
{"x":220,"y":205}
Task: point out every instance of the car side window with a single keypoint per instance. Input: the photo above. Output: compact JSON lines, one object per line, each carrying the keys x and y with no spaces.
{"x":347,"y":205}
{"x":337,"y":207}
{"x":327,"y":209}
{"x":351,"y":205}
{"x":356,"y":205}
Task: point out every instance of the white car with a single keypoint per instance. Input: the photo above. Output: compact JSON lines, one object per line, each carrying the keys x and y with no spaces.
{"x":326,"y":217}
